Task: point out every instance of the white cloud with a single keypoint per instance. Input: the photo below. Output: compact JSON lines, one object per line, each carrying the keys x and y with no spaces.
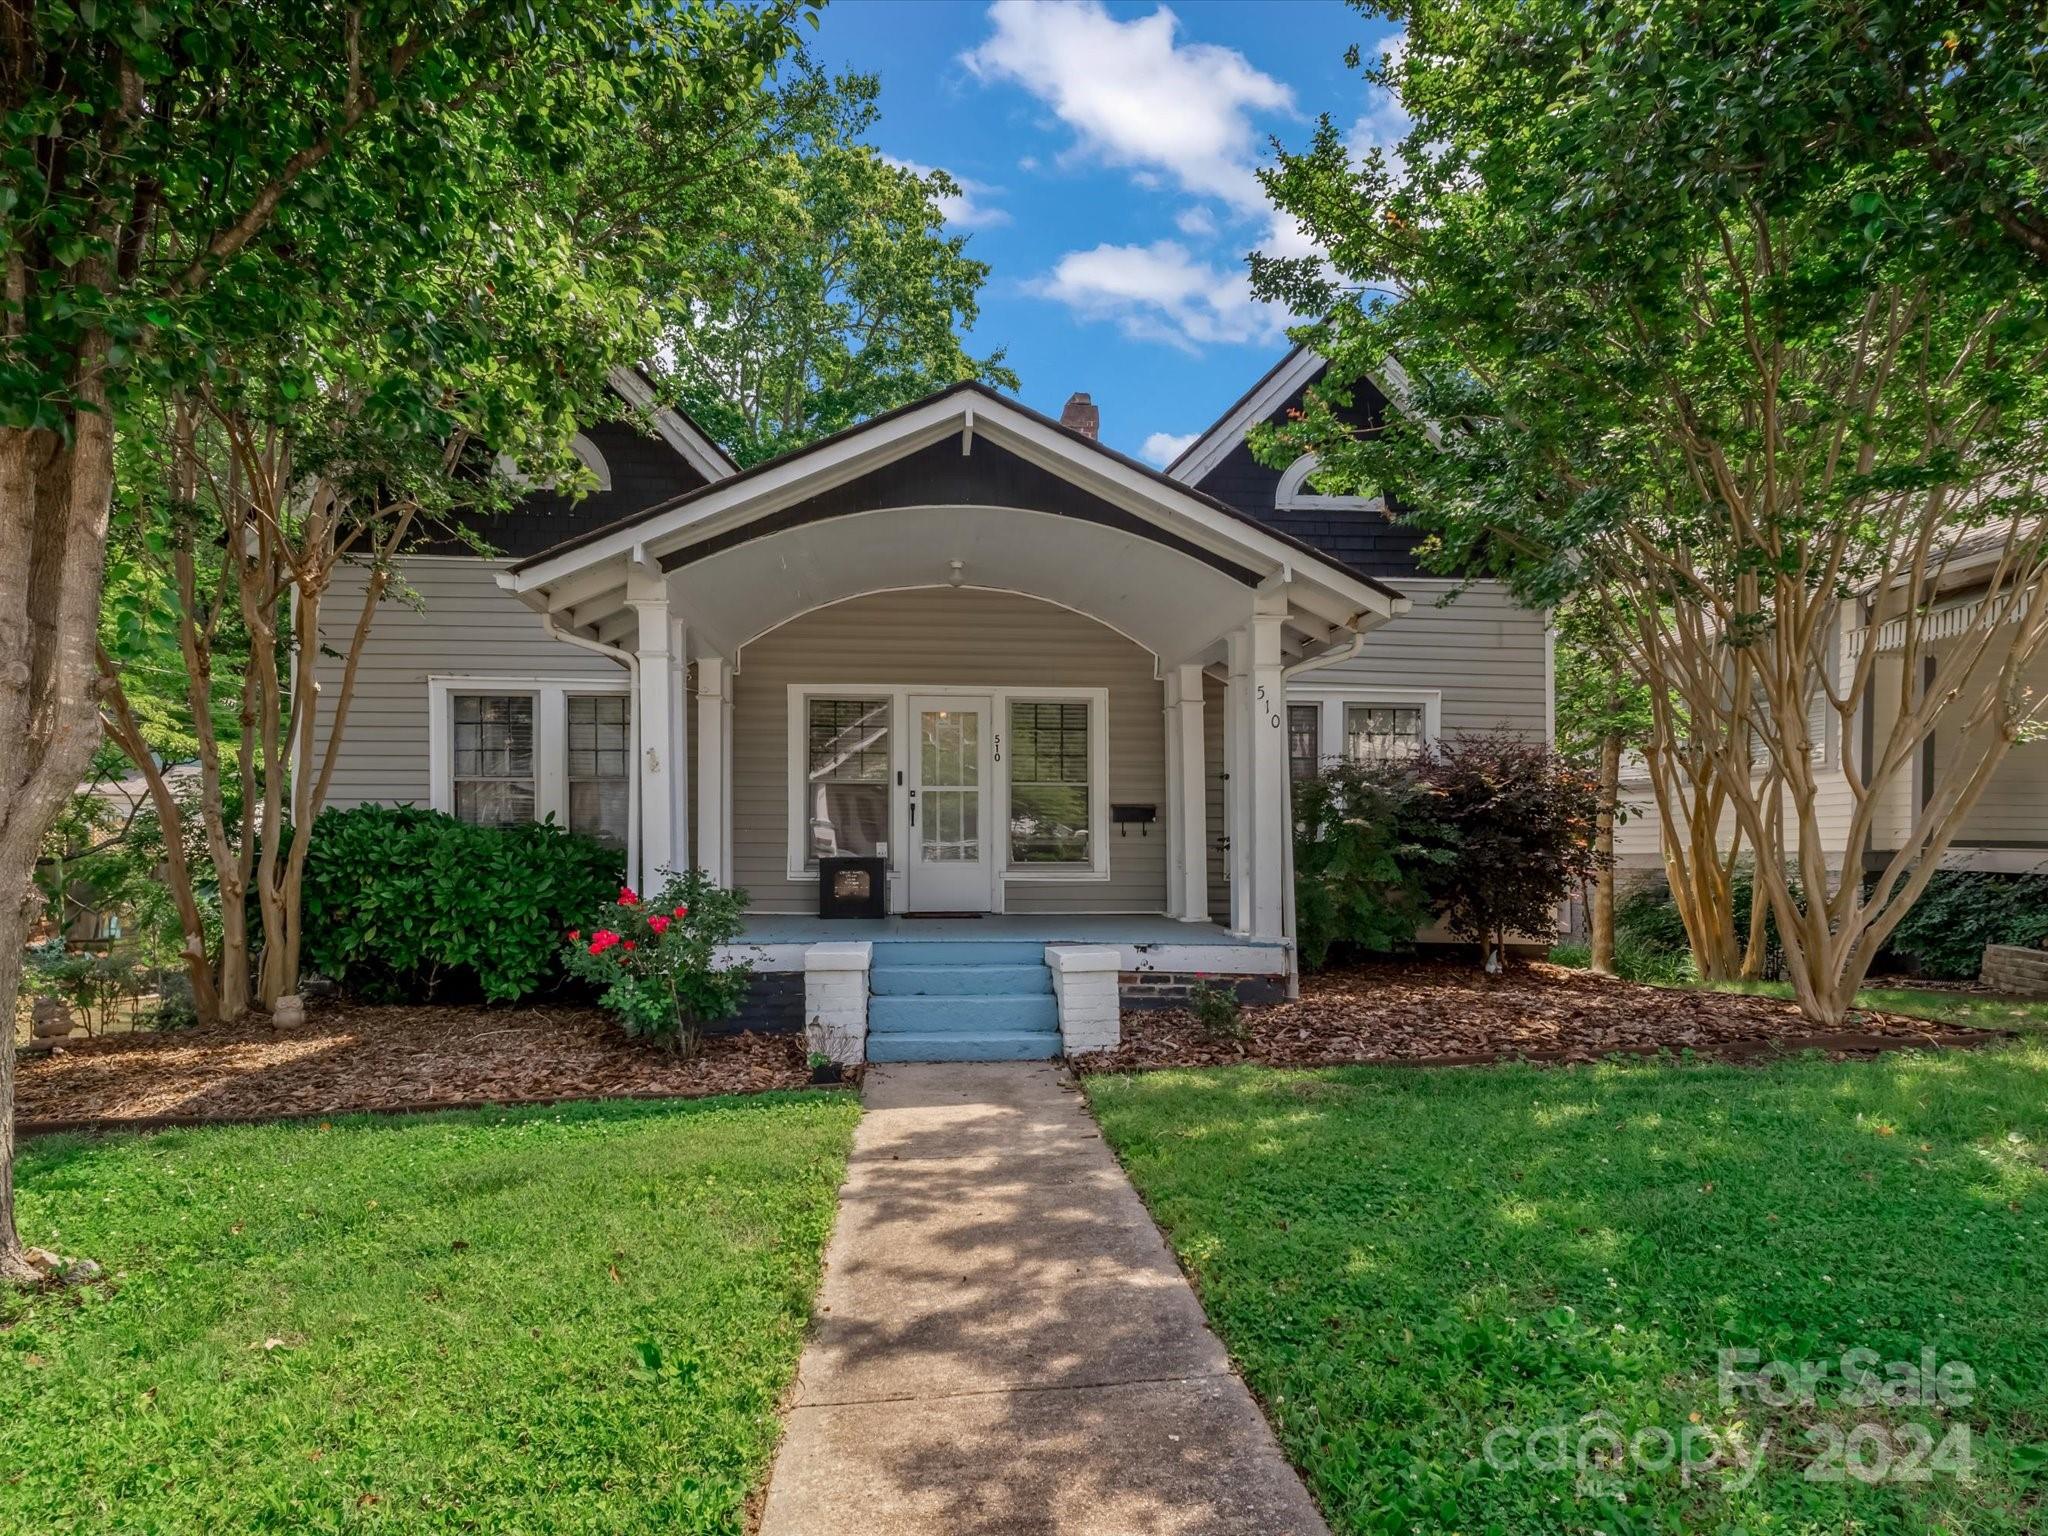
{"x":1160,"y":292}
{"x":1385,"y":122}
{"x":964,"y":209}
{"x":1134,"y":96}
{"x":1196,"y":222}
{"x":1162,"y":448}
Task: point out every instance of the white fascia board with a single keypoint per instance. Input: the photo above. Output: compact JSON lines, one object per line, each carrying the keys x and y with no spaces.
{"x":1188,"y":515}
{"x":697,"y":450}
{"x":804,"y":475}
{"x":1214,"y":445}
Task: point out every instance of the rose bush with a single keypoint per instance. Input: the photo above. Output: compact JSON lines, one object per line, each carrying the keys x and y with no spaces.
{"x":656,"y":961}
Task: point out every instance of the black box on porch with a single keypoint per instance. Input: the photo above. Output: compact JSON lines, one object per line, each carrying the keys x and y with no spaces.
{"x":852,"y":887}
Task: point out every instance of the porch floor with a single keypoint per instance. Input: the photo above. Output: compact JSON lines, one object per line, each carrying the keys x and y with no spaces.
{"x":1128,"y":930}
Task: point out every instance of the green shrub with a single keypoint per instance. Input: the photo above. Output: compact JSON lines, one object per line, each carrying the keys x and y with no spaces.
{"x":1632,"y":962}
{"x":1647,"y":919}
{"x":1960,"y":912}
{"x":1362,"y":841}
{"x":403,"y":903}
{"x":1218,"y":1011}
{"x":657,"y":960}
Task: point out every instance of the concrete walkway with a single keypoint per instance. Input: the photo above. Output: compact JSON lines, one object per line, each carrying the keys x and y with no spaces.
{"x":1003,"y":1343}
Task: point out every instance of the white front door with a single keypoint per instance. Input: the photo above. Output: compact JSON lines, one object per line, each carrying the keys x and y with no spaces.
{"x":952,"y":860}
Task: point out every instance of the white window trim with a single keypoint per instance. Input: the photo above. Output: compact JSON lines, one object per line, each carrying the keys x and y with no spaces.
{"x":550,"y":697}
{"x":1293,"y":492}
{"x":1331,"y":698}
{"x":798,"y":865}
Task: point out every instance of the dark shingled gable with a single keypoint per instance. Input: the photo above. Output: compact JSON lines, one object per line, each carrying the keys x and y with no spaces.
{"x":1364,"y":540}
{"x":645,"y":470}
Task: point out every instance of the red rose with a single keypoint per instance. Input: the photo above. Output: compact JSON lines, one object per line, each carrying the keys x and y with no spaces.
{"x":603,"y":940}
{"x":575,"y":934}
{"x":682,"y":911}
{"x":627,"y":944}
{"x":658,"y":923}
{"x":627,"y":898}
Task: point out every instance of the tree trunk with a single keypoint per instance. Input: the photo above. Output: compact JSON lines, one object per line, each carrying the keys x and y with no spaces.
{"x":53,"y":529}
{"x":1602,"y":915}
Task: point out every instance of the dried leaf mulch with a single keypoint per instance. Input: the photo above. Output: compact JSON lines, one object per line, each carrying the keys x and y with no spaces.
{"x":382,"y":1058}
{"x":1449,"y":1014}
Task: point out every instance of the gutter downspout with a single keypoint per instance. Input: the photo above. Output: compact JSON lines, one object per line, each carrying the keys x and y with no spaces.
{"x":632,"y":665}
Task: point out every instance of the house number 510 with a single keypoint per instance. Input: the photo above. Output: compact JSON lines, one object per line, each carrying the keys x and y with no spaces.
{"x":1266,"y":704}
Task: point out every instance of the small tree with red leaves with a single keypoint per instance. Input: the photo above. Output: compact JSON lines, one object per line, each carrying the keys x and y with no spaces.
{"x":1518,"y":824}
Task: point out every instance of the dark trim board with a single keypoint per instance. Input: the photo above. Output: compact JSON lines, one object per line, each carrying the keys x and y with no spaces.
{"x":941,"y":476}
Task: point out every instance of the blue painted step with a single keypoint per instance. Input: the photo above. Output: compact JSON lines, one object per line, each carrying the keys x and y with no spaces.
{"x":1026,"y":1045}
{"x":1022,"y":1011}
{"x":889,"y":954}
{"x":958,"y":980}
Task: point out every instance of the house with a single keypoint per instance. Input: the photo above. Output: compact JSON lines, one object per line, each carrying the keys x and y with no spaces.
{"x":1058,"y":694}
{"x":2004,"y":831}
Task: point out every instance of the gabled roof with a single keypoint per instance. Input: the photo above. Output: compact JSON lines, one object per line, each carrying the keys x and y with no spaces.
{"x":1281,"y":383}
{"x":964,"y":477}
{"x":636,"y":387}
{"x":664,"y":512}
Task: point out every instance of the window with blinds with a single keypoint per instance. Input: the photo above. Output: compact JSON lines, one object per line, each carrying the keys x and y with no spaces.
{"x":1382,"y":732}
{"x":600,"y":765}
{"x":493,"y":758}
{"x":1304,"y":741}
{"x":1049,"y":799}
{"x":846,"y":775}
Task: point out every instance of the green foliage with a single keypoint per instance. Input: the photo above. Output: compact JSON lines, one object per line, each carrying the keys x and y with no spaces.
{"x":1362,"y":846}
{"x":1633,"y":961}
{"x":403,"y":903}
{"x":580,"y":1320}
{"x":657,"y":961}
{"x":837,"y":294}
{"x":1217,"y":1010}
{"x":1647,"y":919}
{"x":1402,"y":1262}
{"x":1960,"y":912}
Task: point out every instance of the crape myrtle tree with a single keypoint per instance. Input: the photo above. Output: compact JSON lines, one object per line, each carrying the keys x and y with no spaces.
{"x":150,"y":158}
{"x":350,"y":439}
{"x":1687,"y":317}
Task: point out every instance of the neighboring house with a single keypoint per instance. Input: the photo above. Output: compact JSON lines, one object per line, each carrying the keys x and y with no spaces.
{"x":2005,"y":831}
{"x":1048,"y":686}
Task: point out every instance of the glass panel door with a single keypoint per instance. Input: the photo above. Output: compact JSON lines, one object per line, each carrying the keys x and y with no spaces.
{"x":950,"y":864}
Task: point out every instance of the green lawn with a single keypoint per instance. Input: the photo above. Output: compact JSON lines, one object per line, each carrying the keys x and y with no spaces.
{"x":1980,"y":1009}
{"x":574,"y":1319}
{"x":1405,"y":1261}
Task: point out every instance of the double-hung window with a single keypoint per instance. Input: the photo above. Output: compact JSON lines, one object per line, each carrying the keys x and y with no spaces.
{"x":1304,"y":741}
{"x":1050,"y":782}
{"x":1377,"y":733}
{"x":512,"y":750}
{"x":846,"y":775}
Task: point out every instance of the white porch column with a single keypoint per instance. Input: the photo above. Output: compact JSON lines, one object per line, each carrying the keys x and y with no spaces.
{"x":1266,"y":763}
{"x":1255,"y":741}
{"x":1237,"y":778}
{"x":1187,"y":797}
{"x":654,"y":716}
{"x":714,"y":768}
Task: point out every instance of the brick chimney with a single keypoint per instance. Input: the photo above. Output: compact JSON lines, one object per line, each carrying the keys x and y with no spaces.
{"x":1081,"y":416}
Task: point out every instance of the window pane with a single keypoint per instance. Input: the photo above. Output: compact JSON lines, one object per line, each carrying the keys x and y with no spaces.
{"x":1304,"y":740}
{"x":1375,"y":732}
{"x":846,"y":746}
{"x":1049,"y":798}
{"x":600,"y":790}
{"x":492,"y":761}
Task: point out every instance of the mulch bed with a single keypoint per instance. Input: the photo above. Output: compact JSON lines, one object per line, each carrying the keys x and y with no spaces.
{"x":350,"y":1058}
{"x":1439,"y":1014}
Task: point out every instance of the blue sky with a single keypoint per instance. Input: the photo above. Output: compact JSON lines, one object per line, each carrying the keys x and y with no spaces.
{"x":1107,"y":151}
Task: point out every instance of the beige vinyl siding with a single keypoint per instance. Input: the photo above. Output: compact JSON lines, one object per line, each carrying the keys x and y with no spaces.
{"x":445,"y":617}
{"x":1484,"y":651}
{"x":940,"y":637}
{"x":2013,"y":810}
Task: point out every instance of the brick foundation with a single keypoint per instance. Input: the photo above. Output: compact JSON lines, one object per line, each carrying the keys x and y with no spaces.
{"x":1169,"y":989}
